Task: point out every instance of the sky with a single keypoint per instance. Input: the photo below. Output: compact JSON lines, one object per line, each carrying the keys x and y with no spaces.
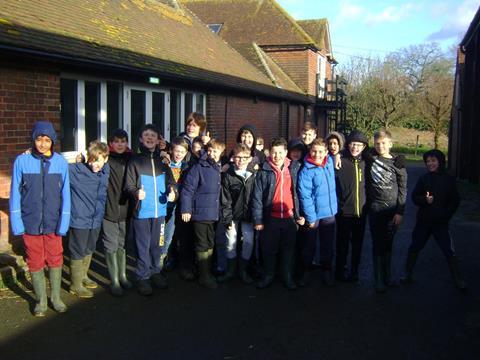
{"x":370,"y":28}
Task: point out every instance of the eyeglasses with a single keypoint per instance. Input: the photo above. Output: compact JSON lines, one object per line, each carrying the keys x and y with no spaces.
{"x":356,"y":145}
{"x":242,"y":158}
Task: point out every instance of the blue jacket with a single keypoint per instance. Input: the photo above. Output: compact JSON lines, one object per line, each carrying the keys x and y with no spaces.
{"x":316,"y":190}
{"x":147,"y":169}
{"x":89,"y":194}
{"x":40,"y":195}
{"x":264,"y":190}
{"x":201,"y":191}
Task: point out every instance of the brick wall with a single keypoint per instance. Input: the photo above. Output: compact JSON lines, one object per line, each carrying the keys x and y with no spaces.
{"x":25,"y":95}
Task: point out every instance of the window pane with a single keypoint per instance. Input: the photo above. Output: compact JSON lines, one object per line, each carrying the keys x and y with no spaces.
{"x":199,"y":105}
{"x":174,"y":113}
{"x":92,"y":111}
{"x":114,"y":107}
{"x":188,"y":104}
{"x":68,"y":114}
{"x":158,"y":111}
{"x":137,"y":116}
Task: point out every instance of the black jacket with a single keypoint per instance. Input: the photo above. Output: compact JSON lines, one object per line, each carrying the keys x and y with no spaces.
{"x":446,"y":199}
{"x":350,"y":185}
{"x":117,"y":205}
{"x":236,"y":195}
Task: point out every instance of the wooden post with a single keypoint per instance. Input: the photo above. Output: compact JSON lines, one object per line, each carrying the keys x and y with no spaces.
{"x":416,"y":145}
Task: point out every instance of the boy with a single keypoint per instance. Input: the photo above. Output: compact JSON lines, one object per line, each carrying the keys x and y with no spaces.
{"x":247,"y":135}
{"x":437,"y":198}
{"x":114,"y":226}
{"x":88,"y":184}
{"x":195,"y":126}
{"x":200,"y":204}
{"x":237,"y":187}
{"x":308,"y":134}
{"x":40,"y":212}
{"x":150,"y":185}
{"x":386,"y":196}
{"x":275,"y":212}
{"x":296,"y":150}
{"x":335,"y":141}
{"x":318,"y":203}
{"x":351,"y":219}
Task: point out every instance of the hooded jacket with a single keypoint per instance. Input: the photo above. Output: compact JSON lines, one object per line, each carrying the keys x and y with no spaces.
{"x":258,"y":156}
{"x":40,"y":190}
{"x":117,"y":206}
{"x":350,"y":185}
{"x":337,"y":135}
{"x":147,"y":169}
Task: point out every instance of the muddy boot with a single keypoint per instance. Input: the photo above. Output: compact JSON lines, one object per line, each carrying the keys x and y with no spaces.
{"x":87,"y":282}
{"x":56,"y":285}
{"x":122,"y":269}
{"x":378,"y":271}
{"x":387,"y":271}
{"x":457,"y":278}
{"x":243,"y":271}
{"x":269,"y":262}
{"x":112,"y":265}
{"x":40,"y":290}
{"x":77,"y":274}
{"x":231,"y":272}
{"x":144,"y":287}
{"x":409,"y":265}
{"x":287,"y":270}
{"x":205,"y":277}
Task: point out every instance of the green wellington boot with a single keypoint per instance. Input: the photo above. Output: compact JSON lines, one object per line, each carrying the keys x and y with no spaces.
{"x":231,"y":271}
{"x":122,"y":269}
{"x":40,"y":290}
{"x":409,"y":265}
{"x":112,"y":265}
{"x":269,"y":263}
{"x":87,"y":282}
{"x":77,"y":274}
{"x":56,"y":286}
{"x":243,"y":271}
{"x":457,"y":277}
{"x":378,"y":271}
{"x":205,"y":277}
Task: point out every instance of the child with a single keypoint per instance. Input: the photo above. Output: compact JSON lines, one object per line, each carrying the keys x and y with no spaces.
{"x":318,"y":202}
{"x":237,"y":187}
{"x":200,"y":198}
{"x":335,"y":142}
{"x":275,"y":212}
{"x":114,"y":226}
{"x":247,"y":135}
{"x":40,"y":212}
{"x":350,"y":185}
{"x":195,"y":126}
{"x":386,"y":196}
{"x":296,"y":150}
{"x":437,"y":199}
{"x":88,"y":184}
{"x":308,"y":134}
{"x":260,"y":144}
{"x":150,"y":184}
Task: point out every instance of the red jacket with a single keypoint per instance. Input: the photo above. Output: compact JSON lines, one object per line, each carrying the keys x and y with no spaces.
{"x":282,"y":202}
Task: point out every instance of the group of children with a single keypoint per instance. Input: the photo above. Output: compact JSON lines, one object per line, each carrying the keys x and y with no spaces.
{"x":186,"y":204}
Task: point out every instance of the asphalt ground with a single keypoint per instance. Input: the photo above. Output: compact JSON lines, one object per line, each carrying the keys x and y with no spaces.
{"x":428,"y":319}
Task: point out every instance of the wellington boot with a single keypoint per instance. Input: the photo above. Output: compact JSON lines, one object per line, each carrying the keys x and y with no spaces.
{"x":353,"y":276}
{"x":328,"y":278}
{"x":186,"y":272}
{"x":387,"y":271}
{"x":39,"y":287}
{"x":122,"y":269}
{"x":87,"y":282}
{"x":205,"y":277}
{"x":378,"y":273}
{"x":112,"y":265}
{"x":231,"y":272}
{"x":56,"y":285}
{"x":304,"y":279}
{"x":77,"y":274}
{"x":457,"y":277}
{"x":409,"y":265}
{"x":144,"y":287}
{"x":269,"y":263}
{"x":287,"y":270}
{"x":160,"y":281}
{"x":243,"y":271}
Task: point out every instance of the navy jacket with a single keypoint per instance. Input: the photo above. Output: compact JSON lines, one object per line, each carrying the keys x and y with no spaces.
{"x":40,"y":195}
{"x":89,"y":194}
{"x":264,"y":190}
{"x":201,"y":191}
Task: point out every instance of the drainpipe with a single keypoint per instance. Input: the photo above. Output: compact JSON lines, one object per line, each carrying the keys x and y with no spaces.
{"x":225,"y":120}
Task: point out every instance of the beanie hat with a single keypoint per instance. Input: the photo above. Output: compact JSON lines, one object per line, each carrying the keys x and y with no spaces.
{"x":44,"y":128}
{"x":297,"y":144}
{"x":357,"y":136}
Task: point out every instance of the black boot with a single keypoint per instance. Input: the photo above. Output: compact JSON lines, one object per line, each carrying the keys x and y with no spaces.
{"x":457,"y":278}
{"x":122,"y":269}
{"x":409,"y":265}
{"x":112,"y":265}
{"x":304,"y":279}
{"x":387,"y":270}
{"x":269,"y":262}
{"x":231,"y":271}
{"x":378,"y":267}
{"x":243,"y":271}
{"x":287,"y":270}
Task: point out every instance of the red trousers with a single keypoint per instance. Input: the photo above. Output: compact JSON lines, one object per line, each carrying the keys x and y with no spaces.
{"x":43,"y":250}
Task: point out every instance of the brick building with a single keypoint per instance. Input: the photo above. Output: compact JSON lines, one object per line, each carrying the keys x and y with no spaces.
{"x":91,"y":66}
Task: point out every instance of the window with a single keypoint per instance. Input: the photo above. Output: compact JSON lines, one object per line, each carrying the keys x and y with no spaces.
{"x":189,"y":102}
{"x":68,"y":114}
{"x":215,"y":28}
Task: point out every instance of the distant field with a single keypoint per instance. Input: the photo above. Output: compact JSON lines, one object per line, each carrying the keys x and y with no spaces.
{"x":406,"y":138}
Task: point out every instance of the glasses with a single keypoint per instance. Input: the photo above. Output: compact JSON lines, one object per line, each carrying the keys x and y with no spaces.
{"x":356,"y":145}
{"x":242,"y":158}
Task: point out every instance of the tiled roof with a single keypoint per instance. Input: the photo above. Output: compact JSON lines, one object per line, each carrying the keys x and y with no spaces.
{"x":318,"y":30}
{"x":146,"y":35}
{"x":248,"y":21}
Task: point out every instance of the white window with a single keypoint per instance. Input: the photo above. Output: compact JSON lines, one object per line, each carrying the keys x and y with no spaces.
{"x":322,"y":74}
{"x":190,"y":102}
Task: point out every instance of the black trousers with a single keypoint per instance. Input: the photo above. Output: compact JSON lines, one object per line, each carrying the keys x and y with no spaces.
{"x":350,"y":231}
{"x":278,"y":234}
{"x":204,"y":235}
{"x":439,"y":231}
{"x":382,"y":231}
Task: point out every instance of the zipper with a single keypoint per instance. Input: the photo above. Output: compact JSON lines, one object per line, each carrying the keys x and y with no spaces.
{"x":42,"y":175}
{"x":154,"y":184}
{"x":281,"y":194}
{"x":326,"y":174}
{"x":357,"y":189}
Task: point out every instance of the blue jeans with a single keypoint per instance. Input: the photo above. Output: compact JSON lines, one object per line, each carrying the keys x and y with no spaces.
{"x":169,"y":229}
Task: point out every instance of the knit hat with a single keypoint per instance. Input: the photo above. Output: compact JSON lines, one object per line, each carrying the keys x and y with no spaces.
{"x":357,"y":136}
{"x":44,"y":128}
{"x":297,"y":144}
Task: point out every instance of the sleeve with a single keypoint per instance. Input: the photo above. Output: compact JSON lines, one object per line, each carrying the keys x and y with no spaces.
{"x":418,"y":193}
{"x":131,"y":186}
{"x":226,"y":201}
{"x":66,"y":202}
{"x":189,"y":188}
{"x":453,"y":198}
{"x":402,"y":190}
{"x":305,"y":195}
{"x":257,"y":199}
{"x":18,"y":227}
